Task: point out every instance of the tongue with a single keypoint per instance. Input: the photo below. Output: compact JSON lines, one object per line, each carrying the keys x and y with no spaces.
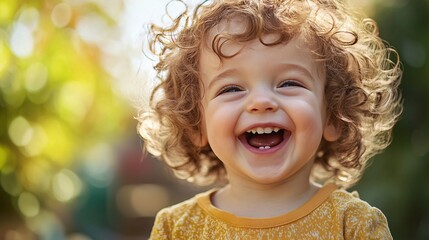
{"x":262,"y":140}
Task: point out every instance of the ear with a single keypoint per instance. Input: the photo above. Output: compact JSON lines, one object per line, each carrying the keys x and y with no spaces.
{"x":331,"y":132}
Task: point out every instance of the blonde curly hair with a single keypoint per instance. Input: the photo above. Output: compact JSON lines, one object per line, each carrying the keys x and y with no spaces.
{"x":361,"y":90}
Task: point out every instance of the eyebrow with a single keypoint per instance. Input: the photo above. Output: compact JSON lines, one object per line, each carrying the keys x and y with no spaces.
{"x":279,"y":67}
{"x":222,"y":75}
{"x":295,"y":67}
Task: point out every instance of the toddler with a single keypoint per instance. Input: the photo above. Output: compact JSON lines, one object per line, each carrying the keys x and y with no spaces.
{"x":284,"y":101}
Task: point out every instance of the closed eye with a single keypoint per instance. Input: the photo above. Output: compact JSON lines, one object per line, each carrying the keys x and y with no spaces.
{"x":290,"y":83}
{"x":229,"y":89}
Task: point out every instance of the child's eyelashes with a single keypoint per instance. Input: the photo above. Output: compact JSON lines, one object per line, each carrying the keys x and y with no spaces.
{"x":229,"y":89}
{"x":290,"y":83}
{"x":236,"y":88}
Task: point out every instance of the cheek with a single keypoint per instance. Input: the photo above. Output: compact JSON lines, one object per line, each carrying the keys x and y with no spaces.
{"x":212,"y":115}
{"x":308,"y":118}
{"x":220,"y":121}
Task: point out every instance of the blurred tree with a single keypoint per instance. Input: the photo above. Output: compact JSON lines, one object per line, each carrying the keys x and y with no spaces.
{"x":57,"y":103}
{"x":396,"y":181}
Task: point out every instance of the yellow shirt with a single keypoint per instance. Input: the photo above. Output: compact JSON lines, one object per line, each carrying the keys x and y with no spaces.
{"x":329,"y":214}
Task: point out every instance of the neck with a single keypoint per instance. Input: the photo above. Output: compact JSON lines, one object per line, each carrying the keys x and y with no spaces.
{"x":251,"y":199}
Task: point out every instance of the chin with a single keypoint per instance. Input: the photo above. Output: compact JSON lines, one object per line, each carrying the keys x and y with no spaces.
{"x":277,"y":175}
{"x":270,"y":178}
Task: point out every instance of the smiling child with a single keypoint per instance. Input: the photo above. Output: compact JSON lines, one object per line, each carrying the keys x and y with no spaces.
{"x":286,"y":101}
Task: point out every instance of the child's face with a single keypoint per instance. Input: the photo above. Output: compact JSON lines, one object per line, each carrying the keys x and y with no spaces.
{"x":276,"y":91}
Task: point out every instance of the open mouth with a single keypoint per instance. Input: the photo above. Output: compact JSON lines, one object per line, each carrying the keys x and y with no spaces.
{"x":264,"y":138}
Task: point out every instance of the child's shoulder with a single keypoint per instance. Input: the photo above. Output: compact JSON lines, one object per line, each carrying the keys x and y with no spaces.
{"x":356,"y":215}
{"x":345,"y":201}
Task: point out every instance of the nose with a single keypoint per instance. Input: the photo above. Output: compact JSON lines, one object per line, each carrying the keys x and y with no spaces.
{"x":262,"y":102}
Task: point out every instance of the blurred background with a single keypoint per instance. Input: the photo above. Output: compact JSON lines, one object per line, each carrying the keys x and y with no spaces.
{"x":71,"y":162}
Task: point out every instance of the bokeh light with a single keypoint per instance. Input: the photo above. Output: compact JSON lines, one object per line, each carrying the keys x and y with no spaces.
{"x":99,"y":165}
{"x":36,"y":77}
{"x":28,"y":204}
{"x":66,"y":185}
{"x":143,"y":200}
{"x":20,"y":131}
{"x":21,"y":38}
{"x":61,"y":15}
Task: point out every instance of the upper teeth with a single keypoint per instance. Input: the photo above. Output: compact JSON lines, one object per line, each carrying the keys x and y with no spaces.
{"x":261,"y":130}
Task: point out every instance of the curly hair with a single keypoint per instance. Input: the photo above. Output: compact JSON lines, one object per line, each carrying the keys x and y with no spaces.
{"x":362,"y":78}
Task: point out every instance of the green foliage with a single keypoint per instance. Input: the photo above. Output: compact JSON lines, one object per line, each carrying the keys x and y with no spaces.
{"x":56,"y":102}
{"x":396,"y":181}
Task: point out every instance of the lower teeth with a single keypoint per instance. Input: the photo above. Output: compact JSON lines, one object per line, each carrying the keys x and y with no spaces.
{"x":266,"y":147}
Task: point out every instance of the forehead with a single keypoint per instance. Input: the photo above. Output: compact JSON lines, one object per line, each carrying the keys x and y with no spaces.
{"x":237,"y":53}
{"x":253,"y":60}
{"x":234,"y":39}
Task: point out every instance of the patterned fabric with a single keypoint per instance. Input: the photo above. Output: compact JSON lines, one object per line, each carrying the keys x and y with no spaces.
{"x":330,"y":214}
